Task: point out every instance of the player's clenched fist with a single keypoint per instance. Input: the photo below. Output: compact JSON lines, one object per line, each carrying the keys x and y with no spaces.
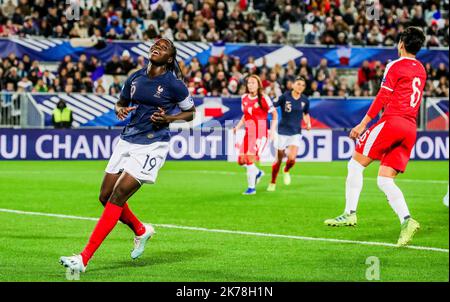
{"x":122,"y":112}
{"x":160,"y":117}
{"x":357,"y":131}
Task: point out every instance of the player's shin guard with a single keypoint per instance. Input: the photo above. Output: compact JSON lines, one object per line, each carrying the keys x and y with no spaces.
{"x":106,"y":223}
{"x":132,"y":221}
{"x":275,"y":169}
{"x":252,"y":171}
{"x":289,"y":164}
{"x":353,"y":185}
{"x":394,"y":196}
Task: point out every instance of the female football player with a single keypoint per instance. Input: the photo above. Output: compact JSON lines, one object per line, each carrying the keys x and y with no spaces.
{"x":255,"y":106}
{"x":294,"y":107}
{"x":154,"y":93}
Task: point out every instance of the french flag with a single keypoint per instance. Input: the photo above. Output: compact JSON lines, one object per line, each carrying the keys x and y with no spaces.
{"x":213,"y":108}
{"x":218,"y":48}
{"x":344,"y":54}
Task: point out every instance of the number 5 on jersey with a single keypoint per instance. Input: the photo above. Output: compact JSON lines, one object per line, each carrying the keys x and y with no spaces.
{"x":288,"y":107}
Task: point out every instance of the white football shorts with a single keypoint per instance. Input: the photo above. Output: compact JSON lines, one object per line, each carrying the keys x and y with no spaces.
{"x":283,"y":141}
{"x":140,"y":161}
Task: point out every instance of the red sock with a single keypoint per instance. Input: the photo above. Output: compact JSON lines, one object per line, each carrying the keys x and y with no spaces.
{"x":107,"y":221}
{"x":132,"y":221}
{"x":275,"y":169}
{"x":289,"y":164}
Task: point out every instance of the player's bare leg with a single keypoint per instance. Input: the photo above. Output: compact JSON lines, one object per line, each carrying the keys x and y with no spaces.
{"x":143,"y":232}
{"x":275,"y":169}
{"x":409,"y":226}
{"x":292,"y":152}
{"x":124,"y":188}
{"x":353,"y":187}
{"x":127,"y":217}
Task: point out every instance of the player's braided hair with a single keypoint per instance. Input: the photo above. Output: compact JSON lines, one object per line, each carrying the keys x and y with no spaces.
{"x":174,"y":66}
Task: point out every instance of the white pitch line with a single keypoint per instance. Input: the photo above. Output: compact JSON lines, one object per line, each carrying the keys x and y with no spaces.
{"x":171,"y":226}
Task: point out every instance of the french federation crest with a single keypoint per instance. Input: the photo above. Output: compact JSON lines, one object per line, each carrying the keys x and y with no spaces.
{"x":159,"y":91}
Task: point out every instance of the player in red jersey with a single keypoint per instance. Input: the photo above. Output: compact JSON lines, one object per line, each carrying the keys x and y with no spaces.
{"x":392,"y":138}
{"x":256,"y":106}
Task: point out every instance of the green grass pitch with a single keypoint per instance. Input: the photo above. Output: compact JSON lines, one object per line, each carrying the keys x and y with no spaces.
{"x":208,"y":195}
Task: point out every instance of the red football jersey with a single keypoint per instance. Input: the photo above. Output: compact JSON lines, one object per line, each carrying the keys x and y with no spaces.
{"x":254,"y":114}
{"x":405,"y":78}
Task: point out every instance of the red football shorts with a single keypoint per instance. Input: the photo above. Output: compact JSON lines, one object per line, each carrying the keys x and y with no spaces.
{"x":253,"y":145}
{"x":390,"y":141}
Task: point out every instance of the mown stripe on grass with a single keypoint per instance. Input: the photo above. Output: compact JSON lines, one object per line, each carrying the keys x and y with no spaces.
{"x":171,"y":226}
{"x":433,"y":181}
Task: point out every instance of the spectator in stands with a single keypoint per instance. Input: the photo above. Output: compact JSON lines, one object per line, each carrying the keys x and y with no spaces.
{"x":8,"y":8}
{"x":365,"y":74}
{"x":323,"y":66}
{"x":442,"y":89}
{"x":40,"y":86}
{"x":114,"y":66}
{"x":158,"y":14}
{"x":115,"y":25}
{"x":126,"y":62}
{"x":28,"y":27}
{"x":62,"y":116}
{"x":313,"y":36}
{"x":304,"y":64}
{"x":25,"y":84}
{"x":115,"y":87}
{"x":11,"y":76}
{"x":124,"y":20}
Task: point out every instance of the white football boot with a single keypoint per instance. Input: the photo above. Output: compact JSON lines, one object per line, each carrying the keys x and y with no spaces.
{"x":140,"y":241}
{"x":286,"y":178}
{"x":74,"y":263}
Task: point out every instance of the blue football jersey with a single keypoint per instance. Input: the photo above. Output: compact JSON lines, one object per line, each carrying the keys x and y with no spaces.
{"x":164,"y":91}
{"x":292,"y":111}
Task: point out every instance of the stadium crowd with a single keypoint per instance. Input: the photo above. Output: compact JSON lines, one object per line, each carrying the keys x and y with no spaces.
{"x":258,"y":21}
{"x":220,"y":76}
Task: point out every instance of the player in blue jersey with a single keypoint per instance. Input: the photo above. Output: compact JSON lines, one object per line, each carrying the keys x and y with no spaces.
{"x":151,"y":95}
{"x":294,"y":108}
